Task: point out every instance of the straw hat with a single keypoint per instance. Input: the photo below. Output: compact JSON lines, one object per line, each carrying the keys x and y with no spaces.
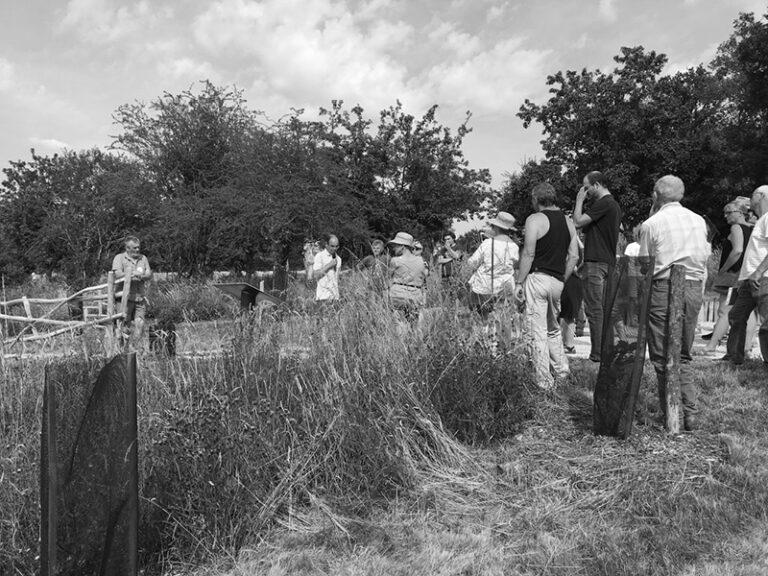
{"x":402,"y":238}
{"x":503,"y":220}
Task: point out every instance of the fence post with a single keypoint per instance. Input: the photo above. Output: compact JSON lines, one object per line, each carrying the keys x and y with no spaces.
{"x":111,"y":310}
{"x":674,"y":343}
{"x":28,"y":310}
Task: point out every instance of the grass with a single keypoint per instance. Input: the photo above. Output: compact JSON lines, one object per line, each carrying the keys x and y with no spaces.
{"x":346,"y":442}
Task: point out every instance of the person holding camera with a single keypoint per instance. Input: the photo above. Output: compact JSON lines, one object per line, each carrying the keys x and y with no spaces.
{"x":600,"y":221}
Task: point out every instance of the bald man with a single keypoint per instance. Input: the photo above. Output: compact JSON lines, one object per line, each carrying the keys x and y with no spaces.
{"x":674,"y":235}
{"x":753,"y":284}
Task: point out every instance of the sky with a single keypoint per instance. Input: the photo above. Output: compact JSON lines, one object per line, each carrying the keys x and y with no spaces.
{"x":66,"y":66}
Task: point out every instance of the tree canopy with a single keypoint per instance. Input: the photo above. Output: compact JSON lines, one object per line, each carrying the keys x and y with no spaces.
{"x":636,"y":123}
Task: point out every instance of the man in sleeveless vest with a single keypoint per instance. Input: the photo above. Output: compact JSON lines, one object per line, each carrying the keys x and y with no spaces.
{"x":550,"y":253}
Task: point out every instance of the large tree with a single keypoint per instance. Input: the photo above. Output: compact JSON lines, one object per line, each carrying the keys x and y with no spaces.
{"x":69,"y":212}
{"x":635,"y":124}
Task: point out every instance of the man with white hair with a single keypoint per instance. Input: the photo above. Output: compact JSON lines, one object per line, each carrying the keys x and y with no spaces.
{"x":674,"y":235}
{"x":753,"y":284}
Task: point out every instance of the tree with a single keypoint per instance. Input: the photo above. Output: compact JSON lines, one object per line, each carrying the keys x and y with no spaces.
{"x":636,"y":125}
{"x":741,"y":65}
{"x":69,"y":212}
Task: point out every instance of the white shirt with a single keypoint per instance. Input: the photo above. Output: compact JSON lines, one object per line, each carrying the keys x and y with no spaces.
{"x":328,"y":284}
{"x":675,"y":235}
{"x":756,"y":250}
{"x":492,"y":278}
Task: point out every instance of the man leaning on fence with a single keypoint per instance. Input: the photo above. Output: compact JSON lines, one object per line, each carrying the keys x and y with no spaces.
{"x":753,"y":284}
{"x":135,"y":265}
{"x":674,"y":235}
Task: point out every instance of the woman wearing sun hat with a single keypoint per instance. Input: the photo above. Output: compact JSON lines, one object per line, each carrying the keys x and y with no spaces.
{"x":408,"y":274}
{"x":493,"y":265}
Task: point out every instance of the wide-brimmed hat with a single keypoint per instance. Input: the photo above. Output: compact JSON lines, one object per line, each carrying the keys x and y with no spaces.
{"x":402,"y":238}
{"x":503,"y":220}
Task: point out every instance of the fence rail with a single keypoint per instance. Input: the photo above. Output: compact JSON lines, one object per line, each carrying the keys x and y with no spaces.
{"x":99,"y":303}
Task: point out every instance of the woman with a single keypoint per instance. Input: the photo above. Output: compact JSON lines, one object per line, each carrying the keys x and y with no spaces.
{"x":493,"y":265}
{"x":407,"y":276}
{"x":735,"y":213}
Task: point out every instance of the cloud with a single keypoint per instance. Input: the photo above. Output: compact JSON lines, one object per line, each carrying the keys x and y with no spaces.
{"x":448,"y":37}
{"x":7,"y":75}
{"x":607,"y":10}
{"x":49,"y":143}
{"x":102,"y":22}
{"x":307,"y":52}
{"x":495,"y":80}
{"x":187,"y":68}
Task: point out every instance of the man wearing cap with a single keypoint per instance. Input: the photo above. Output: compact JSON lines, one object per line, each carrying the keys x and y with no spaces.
{"x":601,"y":234}
{"x":408,"y":274}
{"x":326,"y":269}
{"x":493,"y":265}
{"x":550,"y":253}
{"x":134,"y":265}
{"x":674,"y":235}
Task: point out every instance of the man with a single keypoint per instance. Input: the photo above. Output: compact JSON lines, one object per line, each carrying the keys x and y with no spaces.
{"x":600,"y":223}
{"x":134,"y":265}
{"x":550,"y":253}
{"x":674,"y":235}
{"x":326,"y":268}
{"x":447,"y":255}
{"x":753,"y":284}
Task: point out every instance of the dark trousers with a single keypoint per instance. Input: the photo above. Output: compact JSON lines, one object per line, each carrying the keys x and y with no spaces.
{"x":595,"y":279}
{"x":747,"y":299}
{"x":658,"y":338}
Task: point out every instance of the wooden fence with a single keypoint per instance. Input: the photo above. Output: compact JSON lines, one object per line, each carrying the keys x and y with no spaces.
{"x":100,"y":307}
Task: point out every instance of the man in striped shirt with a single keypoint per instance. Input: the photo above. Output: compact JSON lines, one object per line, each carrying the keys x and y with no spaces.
{"x":674,"y":235}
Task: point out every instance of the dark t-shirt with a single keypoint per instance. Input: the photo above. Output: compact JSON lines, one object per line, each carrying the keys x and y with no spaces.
{"x":602,"y":234}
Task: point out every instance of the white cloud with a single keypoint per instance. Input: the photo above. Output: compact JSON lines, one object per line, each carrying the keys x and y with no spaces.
{"x":607,"y":10}
{"x":102,"y":22}
{"x":495,"y":80}
{"x":307,"y":53}
{"x":7,"y":75}
{"x":462,"y":44}
{"x":49,"y":143}
{"x":581,"y":41}
{"x":187,"y":68}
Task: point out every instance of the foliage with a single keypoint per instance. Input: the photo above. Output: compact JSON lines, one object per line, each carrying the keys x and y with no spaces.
{"x":70,"y":212}
{"x":633,"y":124}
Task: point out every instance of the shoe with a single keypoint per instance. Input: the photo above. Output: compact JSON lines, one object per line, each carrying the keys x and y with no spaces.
{"x":690,"y":423}
{"x":570,"y":349}
{"x":593,"y":359}
{"x":726,"y":358}
{"x":707,"y":336}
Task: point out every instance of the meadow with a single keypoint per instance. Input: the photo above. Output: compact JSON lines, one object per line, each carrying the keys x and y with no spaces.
{"x":345,"y":441}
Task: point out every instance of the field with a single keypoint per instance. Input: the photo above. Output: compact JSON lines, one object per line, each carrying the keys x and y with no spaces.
{"x":346,"y":442}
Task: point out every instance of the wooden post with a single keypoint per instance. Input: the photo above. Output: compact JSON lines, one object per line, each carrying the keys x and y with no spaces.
{"x":111,"y":336}
{"x":28,"y":310}
{"x":48,"y":483}
{"x":675,"y":309}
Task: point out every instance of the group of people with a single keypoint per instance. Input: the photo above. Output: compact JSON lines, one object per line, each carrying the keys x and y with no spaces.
{"x":562,"y":257}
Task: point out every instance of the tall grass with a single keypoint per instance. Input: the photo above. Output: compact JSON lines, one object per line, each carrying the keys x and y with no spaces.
{"x":346,"y":406}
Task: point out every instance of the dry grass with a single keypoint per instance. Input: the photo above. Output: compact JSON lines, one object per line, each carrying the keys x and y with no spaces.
{"x":336,"y":452}
{"x":555,"y":499}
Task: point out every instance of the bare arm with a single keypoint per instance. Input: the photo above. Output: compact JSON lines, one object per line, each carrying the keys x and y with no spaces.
{"x":579,"y":218}
{"x":737,"y":248}
{"x":531,"y":236}
{"x":573,"y":251}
